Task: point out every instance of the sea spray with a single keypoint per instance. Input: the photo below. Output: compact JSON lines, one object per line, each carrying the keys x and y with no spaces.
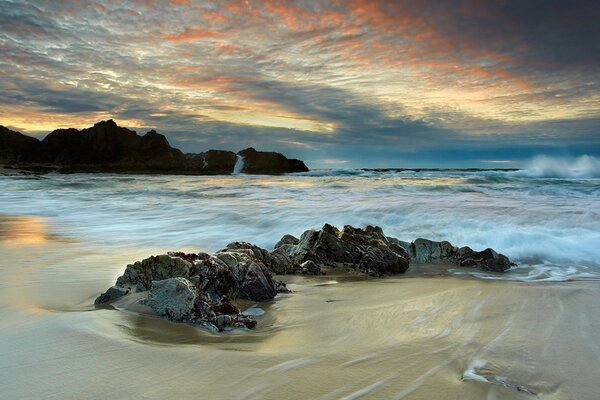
{"x":562,"y":167}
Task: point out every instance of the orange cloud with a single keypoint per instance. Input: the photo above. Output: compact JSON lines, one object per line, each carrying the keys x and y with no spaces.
{"x":191,"y":34}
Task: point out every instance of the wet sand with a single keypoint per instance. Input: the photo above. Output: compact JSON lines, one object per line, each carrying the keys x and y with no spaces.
{"x":333,"y":338}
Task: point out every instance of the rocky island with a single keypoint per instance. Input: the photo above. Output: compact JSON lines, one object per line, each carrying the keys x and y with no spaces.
{"x":200,"y":289}
{"x":107,"y":147}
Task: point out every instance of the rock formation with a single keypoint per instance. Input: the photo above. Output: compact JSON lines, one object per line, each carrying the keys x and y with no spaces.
{"x":261,"y":162}
{"x":107,"y":147}
{"x":16,"y":147}
{"x":199,"y":288}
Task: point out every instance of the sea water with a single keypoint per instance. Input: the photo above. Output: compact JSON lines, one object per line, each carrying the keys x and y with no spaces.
{"x":547,"y":224}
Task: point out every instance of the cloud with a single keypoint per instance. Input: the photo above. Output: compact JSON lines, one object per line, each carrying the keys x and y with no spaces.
{"x":352,"y":80}
{"x":191,"y":34}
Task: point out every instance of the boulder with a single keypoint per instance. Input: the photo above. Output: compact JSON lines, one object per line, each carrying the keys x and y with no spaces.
{"x":141,"y":274}
{"x":310,"y":267}
{"x":262,"y":162}
{"x":173,"y":298}
{"x":113,"y":293}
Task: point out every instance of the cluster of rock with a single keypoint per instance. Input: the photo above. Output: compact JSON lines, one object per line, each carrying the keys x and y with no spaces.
{"x":107,"y":147}
{"x":199,"y":288}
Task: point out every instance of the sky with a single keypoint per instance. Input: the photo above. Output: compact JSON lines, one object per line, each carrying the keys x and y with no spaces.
{"x":339,"y":84}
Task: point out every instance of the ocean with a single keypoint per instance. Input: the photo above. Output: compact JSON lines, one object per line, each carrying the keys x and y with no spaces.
{"x":528,"y":332}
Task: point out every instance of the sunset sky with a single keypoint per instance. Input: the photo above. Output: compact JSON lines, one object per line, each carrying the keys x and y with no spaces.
{"x":336,"y":83}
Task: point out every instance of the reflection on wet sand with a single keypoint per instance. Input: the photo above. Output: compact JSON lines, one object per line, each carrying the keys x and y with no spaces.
{"x":23,"y":229}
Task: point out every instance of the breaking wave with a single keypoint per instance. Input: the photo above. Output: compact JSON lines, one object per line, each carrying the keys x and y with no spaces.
{"x":547,"y":225}
{"x":562,"y":167}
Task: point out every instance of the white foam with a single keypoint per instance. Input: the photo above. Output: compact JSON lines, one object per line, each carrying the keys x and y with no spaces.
{"x":239,"y":165}
{"x":563,"y":167}
{"x":471,"y":372}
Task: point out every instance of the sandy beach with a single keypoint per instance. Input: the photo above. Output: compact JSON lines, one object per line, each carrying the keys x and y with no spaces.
{"x":335,"y":337}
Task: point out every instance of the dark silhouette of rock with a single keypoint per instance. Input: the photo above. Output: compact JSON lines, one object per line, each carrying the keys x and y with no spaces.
{"x":211,"y":162}
{"x":261,"y":162}
{"x":16,"y":147}
{"x":107,"y":147}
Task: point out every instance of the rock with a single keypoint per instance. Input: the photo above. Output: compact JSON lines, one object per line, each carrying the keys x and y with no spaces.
{"x":260,"y":162}
{"x":309,"y":267}
{"x":173,"y":298}
{"x":258,"y":285}
{"x":113,"y":293}
{"x":281,"y":263}
{"x":368,"y":248}
{"x":281,"y":287}
{"x":111,"y":147}
{"x":16,"y":147}
{"x":142,"y":273}
{"x":211,"y":162}
{"x":486,"y":260}
{"x":107,"y":147}
{"x":287,"y":239}
{"x":223,"y":320}
{"x":425,"y":251}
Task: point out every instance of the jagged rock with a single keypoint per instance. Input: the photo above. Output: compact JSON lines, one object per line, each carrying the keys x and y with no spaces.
{"x":113,"y":293}
{"x":198,"y":288}
{"x":173,"y":298}
{"x":309,"y":267}
{"x":427,"y":251}
{"x":107,"y":147}
{"x":368,"y":248}
{"x":287,"y":239}
{"x":277,"y":261}
{"x":487,"y":260}
{"x":141,"y":273}
{"x":258,"y":285}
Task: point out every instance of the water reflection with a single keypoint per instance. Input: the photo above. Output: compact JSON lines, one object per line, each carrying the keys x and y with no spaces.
{"x":23,"y":229}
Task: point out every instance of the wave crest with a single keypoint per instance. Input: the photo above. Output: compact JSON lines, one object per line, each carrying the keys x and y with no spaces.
{"x":563,"y":167}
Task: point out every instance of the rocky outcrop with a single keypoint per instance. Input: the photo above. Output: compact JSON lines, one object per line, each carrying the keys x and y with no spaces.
{"x":368,"y":249}
{"x":427,"y":251}
{"x":16,"y":147}
{"x":110,"y":146}
{"x":199,"y":288}
{"x":107,"y":147}
{"x":262,"y":162}
{"x":373,"y":252}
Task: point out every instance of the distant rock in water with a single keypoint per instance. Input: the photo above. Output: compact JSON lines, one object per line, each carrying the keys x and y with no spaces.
{"x":199,"y":288}
{"x":107,"y":147}
{"x":262,"y":162}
